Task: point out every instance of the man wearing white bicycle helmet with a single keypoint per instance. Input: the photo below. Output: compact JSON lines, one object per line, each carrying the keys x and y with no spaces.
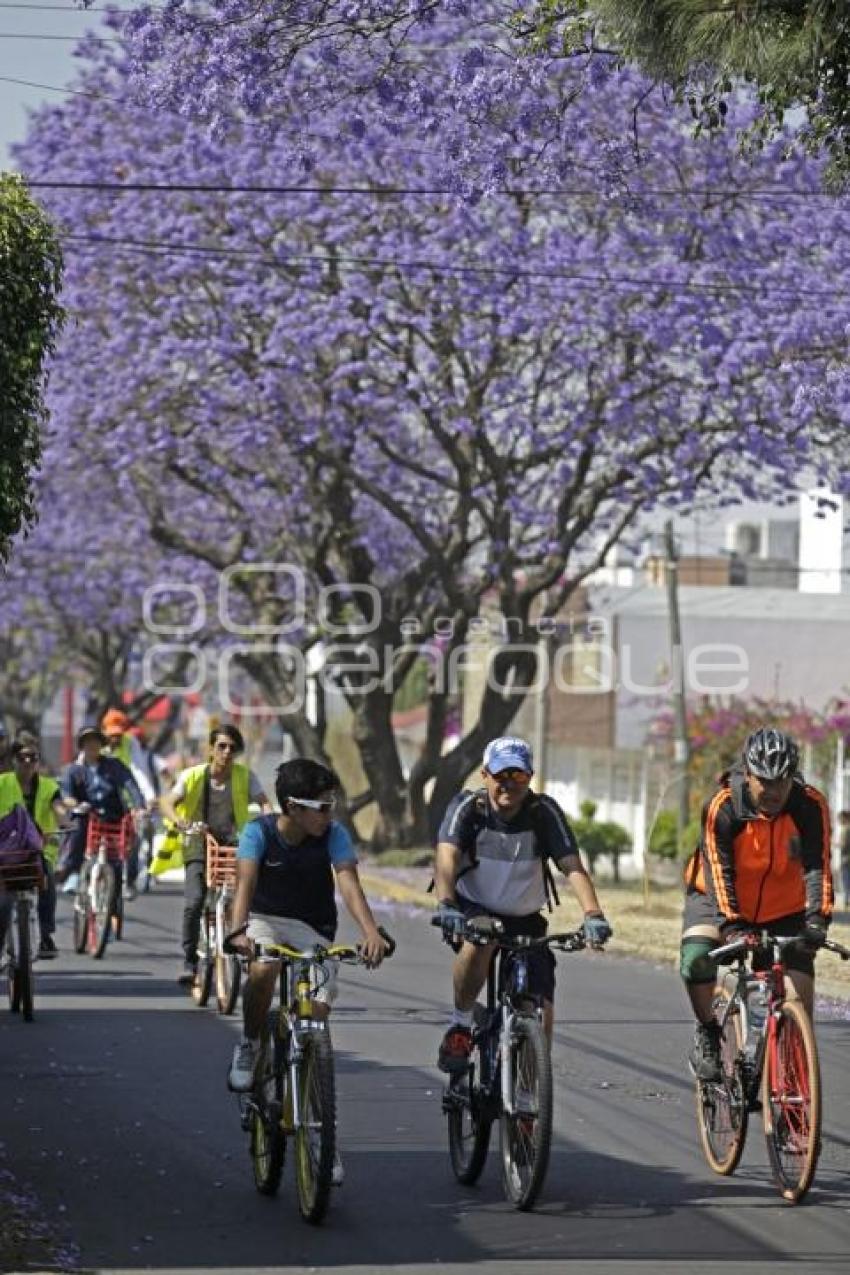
{"x":763,"y":862}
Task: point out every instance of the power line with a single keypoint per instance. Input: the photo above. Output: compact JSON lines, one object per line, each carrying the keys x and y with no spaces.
{"x":554,"y":192}
{"x":71,"y":9}
{"x":441,"y":268}
{"x":76,"y":39}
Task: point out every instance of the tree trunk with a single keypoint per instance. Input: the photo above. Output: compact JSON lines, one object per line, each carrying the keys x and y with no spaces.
{"x":425,"y":768}
{"x":376,"y":742}
{"x":497,"y":712}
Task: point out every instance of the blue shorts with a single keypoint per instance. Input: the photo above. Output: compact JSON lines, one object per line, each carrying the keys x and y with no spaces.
{"x":540,"y":960}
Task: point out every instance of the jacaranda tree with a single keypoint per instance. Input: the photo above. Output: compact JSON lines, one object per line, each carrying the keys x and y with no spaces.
{"x":445,"y":350}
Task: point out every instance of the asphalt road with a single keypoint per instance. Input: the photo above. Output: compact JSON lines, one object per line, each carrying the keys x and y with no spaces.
{"x":114,"y":1113}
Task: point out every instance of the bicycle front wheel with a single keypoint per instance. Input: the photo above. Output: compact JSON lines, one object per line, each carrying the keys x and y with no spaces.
{"x":228,"y":974}
{"x":10,"y":944}
{"x":102,"y":903}
{"x":526,"y":1133}
{"x":82,"y":908}
{"x":23,"y":973}
{"x":202,"y":985}
{"x":722,"y":1105}
{"x":315,"y":1138}
{"x":469,"y":1122}
{"x":792,"y":1101}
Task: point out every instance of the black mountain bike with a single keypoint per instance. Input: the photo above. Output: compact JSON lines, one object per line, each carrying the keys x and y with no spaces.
{"x":294,"y":1090}
{"x":509,"y":1075}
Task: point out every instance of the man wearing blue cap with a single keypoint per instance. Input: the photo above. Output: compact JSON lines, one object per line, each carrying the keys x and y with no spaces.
{"x":493,"y":851}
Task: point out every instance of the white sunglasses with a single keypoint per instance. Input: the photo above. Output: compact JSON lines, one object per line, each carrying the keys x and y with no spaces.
{"x":312,"y":805}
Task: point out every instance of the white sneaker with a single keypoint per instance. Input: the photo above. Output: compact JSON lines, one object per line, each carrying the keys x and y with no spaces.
{"x":245,"y":1057}
{"x":71,"y":884}
{"x":338,"y":1170}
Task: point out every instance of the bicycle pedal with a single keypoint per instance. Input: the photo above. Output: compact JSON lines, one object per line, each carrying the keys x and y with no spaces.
{"x":454,"y":1099}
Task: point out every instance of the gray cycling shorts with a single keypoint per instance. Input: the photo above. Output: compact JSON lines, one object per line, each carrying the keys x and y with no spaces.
{"x":264,"y":929}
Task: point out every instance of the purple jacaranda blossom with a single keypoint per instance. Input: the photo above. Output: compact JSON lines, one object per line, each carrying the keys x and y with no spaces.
{"x":449,"y":383}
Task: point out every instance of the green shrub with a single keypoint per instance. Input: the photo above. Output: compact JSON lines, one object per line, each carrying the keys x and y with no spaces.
{"x":598,"y":839}
{"x":664,"y":838}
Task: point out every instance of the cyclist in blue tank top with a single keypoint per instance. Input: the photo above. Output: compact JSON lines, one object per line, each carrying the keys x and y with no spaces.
{"x":287,"y":869}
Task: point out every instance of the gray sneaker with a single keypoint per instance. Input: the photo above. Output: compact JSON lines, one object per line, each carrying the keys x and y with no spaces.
{"x":704,"y":1057}
{"x":338,"y":1170}
{"x":245,"y":1057}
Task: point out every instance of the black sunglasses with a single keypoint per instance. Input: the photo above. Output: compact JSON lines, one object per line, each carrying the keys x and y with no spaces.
{"x":28,"y":757}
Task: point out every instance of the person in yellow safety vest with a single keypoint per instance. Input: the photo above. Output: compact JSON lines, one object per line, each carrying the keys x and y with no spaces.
{"x":216,"y":794}
{"x":41,"y":798}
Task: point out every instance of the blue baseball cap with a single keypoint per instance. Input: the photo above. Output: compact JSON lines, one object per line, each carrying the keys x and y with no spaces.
{"x":508,"y":753}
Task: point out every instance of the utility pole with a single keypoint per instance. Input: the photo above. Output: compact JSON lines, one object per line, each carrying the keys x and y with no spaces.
{"x":681,"y":752}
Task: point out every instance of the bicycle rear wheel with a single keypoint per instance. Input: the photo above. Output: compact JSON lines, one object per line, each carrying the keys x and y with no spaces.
{"x":102,"y":904}
{"x":792,"y":1101}
{"x":23,"y":972}
{"x":469,"y":1123}
{"x":526,"y":1135}
{"x":722,"y":1105}
{"x":268,"y":1145}
{"x":315,"y":1138}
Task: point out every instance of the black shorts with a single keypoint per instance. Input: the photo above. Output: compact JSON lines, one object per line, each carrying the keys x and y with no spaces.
{"x":700,"y":912}
{"x":540,"y":960}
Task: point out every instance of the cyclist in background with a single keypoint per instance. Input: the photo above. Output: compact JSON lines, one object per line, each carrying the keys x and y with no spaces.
{"x":97,"y":783}
{"x":41,"y":798}
{"x":763,"y":861}
{"x":121,"y":743}
{"x":493,"y":853}
{"x":216,"y":794}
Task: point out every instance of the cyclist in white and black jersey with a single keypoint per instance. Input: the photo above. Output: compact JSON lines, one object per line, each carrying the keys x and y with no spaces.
{"x":493,"y":854}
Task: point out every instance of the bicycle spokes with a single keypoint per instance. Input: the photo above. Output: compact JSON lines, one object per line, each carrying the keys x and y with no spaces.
{"x":792,"y":1102}
{"x":526,"y":1130}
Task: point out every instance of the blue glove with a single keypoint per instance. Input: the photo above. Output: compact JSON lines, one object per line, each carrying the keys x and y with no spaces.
{"x":597,"y":931}
{"x":450,"y":919}
{"x":814,"y":932}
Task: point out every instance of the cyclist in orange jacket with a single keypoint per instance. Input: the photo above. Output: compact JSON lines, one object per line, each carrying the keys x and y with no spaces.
{"x":763,"y":862}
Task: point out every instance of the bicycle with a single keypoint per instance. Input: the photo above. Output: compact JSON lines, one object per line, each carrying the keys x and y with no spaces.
{"x":509,"y":1074}
{"x":213,"y":962}
{"x":98,"y":905}
{"x":769,"y":1063}
{"x":294,"y":1090}
{"x":21,"y":882}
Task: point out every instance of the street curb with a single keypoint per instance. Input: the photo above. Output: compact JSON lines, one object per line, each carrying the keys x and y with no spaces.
{"x":395,"y":891}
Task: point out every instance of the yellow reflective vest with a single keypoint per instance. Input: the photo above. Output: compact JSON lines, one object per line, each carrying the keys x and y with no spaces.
{"x":193,"y":782}
{"x":11,"y":795}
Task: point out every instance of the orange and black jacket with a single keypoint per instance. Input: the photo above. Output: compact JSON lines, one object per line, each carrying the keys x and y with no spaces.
{"x":758,"y":869}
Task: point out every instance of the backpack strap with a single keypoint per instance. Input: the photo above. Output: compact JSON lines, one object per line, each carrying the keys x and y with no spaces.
{"x":536,"y":808}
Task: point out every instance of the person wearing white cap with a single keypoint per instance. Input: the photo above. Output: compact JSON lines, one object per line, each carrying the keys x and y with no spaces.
{"x":493,"y":853}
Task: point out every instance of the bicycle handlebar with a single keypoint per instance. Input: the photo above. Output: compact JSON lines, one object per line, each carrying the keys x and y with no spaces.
{"x":756,"y":940}
{"x":488,"y":929}
{"x":344,"y":952}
